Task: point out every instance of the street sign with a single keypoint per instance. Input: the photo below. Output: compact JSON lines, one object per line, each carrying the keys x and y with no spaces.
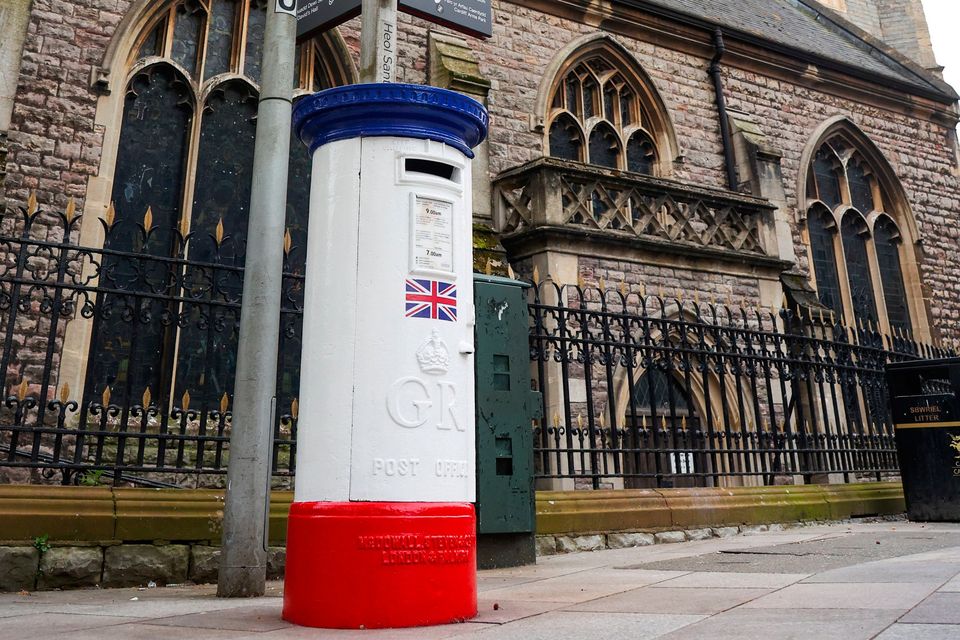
{"x":316,"y":16}
{"x":473,"y":17}
{"x":287,"y":6}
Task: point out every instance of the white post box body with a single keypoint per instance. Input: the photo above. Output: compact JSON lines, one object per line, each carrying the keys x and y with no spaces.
{"x":382,"y":530}
{"x":388,"y":345}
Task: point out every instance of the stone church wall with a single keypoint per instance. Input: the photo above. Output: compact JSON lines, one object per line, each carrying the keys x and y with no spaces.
{"x":55,"y":145}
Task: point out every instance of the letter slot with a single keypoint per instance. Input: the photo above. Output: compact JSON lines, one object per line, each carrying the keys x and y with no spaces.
{"x":432,"y":168}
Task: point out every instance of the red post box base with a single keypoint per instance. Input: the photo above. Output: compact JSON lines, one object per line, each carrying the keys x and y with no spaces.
{"x":380,"y":565}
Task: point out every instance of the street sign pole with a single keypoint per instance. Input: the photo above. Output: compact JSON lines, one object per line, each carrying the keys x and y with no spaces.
{"x":378,"y":41}
{"x":243,"y":562}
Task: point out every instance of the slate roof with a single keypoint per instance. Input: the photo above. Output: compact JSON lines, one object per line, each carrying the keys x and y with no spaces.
{"x":794,"y":24}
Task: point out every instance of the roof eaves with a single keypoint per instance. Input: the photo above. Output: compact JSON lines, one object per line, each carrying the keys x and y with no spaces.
{"x":878,"y":48}
{"x":936,"y":89}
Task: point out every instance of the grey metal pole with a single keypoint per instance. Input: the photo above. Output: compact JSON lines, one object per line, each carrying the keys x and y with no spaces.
{"x":378,"y":41}
{"x":243,"y":562}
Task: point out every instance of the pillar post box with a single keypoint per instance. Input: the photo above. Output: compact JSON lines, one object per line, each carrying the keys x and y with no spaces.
{"x":382,"y":531}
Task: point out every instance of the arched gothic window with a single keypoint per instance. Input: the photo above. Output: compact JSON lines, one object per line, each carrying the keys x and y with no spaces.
{"x":602,"y":112}
{"x":853,"y":230}
{"x":177,"y":227}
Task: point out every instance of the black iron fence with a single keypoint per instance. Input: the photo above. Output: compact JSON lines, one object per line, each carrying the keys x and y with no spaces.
{"x":119,"y":360}
{"x":646,"y":391}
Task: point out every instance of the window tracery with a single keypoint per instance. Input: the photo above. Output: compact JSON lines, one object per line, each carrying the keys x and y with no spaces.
{"x":597,"y":116}
{"x":853,"y":230}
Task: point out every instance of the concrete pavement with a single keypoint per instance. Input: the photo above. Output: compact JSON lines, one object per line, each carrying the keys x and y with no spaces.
{"x":889,"y":581}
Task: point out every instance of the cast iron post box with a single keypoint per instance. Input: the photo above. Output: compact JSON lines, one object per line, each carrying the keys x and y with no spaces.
{"x":505,"y":407}
{"x":925,"y":400}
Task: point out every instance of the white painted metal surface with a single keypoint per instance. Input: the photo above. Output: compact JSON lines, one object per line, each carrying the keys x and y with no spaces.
{"x":387,"y":406}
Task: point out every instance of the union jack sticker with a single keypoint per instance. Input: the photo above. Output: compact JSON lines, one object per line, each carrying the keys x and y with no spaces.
{"x":431,"y":299}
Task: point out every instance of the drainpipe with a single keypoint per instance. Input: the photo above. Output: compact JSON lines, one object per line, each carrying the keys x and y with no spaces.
{"x":715,"y":74}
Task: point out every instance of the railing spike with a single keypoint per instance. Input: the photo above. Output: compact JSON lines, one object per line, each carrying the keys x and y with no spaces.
{"x":536,"y":275}
{"x":32,"y":205}
{"x":287,"y":242}
{"x":510,"y":272}
{"x":225,"y":402}
{"x":65,"y":393}
{"x":105,"y":397}
{"x":294,"y":408}
{"x":71,"y":210}
{"x":185,"y":401}
{"x":22,"y":390}
{"x":218,"y":233}
{"x":148,"y":220}
{"x":146,"y":398}
{"x":110,"y":215}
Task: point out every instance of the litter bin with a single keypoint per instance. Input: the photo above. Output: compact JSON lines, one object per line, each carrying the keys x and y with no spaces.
{"x":926,"y":416}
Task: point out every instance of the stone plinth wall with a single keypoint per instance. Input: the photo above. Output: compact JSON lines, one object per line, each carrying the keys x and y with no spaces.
{"x":114,"y":564}
{"x":69,"y":537}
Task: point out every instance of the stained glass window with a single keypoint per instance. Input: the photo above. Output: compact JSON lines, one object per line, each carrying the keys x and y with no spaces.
{"x":604,"y":146}
{"x":151,"y":165}
{"x":861,"y":194}
{"x":565,"y":140}
{"x":220,"y":37}
{"x":825,"y":260}
{"x":656,"y":390}
{"x":841,"y":176}
{"x":256,"y":25}
{"x":175,"y":347}
{"x":641,"y":153}
{"x":853,"y":231}
{"x":826,"y":168}
{"x":595,"y":98}
{"x":188,"y":31}
{"x":886,"y":237}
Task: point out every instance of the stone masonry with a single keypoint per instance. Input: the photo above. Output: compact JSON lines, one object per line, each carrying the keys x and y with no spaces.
{"x":55,"y":145}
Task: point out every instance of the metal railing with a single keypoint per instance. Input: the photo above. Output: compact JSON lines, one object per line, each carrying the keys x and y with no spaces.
{"x":646,"y":391}
{"x":118,"y":360}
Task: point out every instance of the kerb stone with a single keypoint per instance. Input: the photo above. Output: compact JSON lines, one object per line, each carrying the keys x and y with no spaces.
{"x":18,"y":568}
{"x":134,"y":565}
{"x":70,"y":567}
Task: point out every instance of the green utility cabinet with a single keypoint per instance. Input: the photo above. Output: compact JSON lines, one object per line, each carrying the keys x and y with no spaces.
{"x":506,"y":408}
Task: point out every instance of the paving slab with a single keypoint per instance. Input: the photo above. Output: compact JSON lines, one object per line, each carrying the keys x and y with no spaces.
{"x":721,"y":580}
{"x":503,"y":611}
{"x":42,"y":625}
{"x":140,"y":631}
{"x":586,"y":626}
{"x":788,"y":624}
{"x":920,"y":632}
{"x":263,"y":617}
{"x":865,"y":595}
{"x":897,"y":571}
{"x":442,"y":632}
{"x":940,"y":608}
{"x":690,"y":601}
{"x":582,"y":586}
{"x":952,"y":586}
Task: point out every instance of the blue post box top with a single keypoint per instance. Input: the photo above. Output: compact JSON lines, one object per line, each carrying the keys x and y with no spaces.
{"x":401,"y":110}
